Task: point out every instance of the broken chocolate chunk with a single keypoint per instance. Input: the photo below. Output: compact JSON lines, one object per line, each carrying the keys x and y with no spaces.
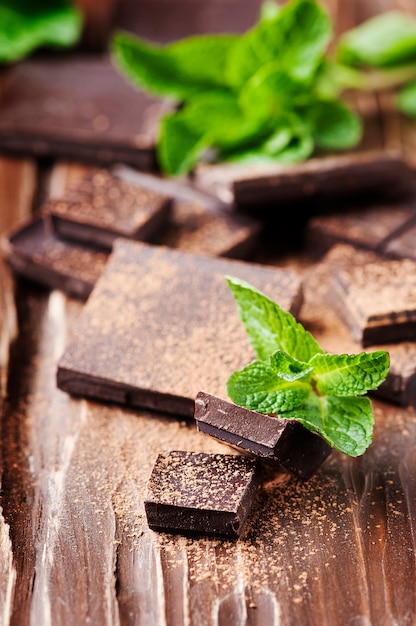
{"x":101,"y":207}
{"x":377,"y":301}
{"x":78,"y":108}
{"x":33,"y":251}
{"x":249,"y":186}
{"x":161,"y":324}
{"x":371,"y":228}
{"x":280,"y":442}
{"x":201,"y":493}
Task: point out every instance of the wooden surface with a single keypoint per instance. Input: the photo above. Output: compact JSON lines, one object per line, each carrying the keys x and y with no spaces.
{"x":336,"y":550}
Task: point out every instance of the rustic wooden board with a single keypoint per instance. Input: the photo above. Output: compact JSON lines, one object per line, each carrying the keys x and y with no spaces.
{"x":337,"y":548}
{"x":74,"y":544}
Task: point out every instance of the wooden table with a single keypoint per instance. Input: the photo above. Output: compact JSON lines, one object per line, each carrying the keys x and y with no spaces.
{"x":75,"y":548}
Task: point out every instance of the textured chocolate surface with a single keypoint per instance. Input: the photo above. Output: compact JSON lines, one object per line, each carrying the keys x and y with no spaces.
{"x":201,"y":493}
{"x":162,"y":324}
{"x":33,"y":251}
{"x":331,"y":176}
{"x":400,"y":384}
{"x":281,"y":442}
{"x":101,"y":207}
{"x":194,"y":228}
{"x":377,"y":301}
{"x":79,"y":108}
{"x":375,"y":227}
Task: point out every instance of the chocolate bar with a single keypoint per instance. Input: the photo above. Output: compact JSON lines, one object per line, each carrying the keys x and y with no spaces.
{"x":325,"y":177}
{"x":34,"y":252}
{"x":376,"y":227}
{"x":101,"y":207}
{"x":280,"y":442}
{"x":400,"y":384}
{"x":78,"y":108}
{"x":200,"y":493}
{"x":377,"y":301}
{"x":160,"y":324}
{"x":195,"y":229}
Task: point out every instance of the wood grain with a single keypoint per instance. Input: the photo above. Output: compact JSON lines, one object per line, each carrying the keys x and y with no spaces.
{"x":74,"y":544}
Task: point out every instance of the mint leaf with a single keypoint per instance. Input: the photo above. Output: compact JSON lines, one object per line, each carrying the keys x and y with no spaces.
{"x":350,"y":374}
{"x":270,"y":92}
{"x":288,"y":368}
{"x":289,"y":142}
{"x":346,"y":424}
{"x":332,"y":124}
{"x":257,"y":387}
{"x":178,"y":70}
{"x":179,"y":147}
{"x":300,"y":381}
{"x":269,"y":327}
{"x":26,"y":26}
{"x":385,"y":40}
{"x":296,"y":36}
{"x":406,"y":100}
{"x":212,"y":120}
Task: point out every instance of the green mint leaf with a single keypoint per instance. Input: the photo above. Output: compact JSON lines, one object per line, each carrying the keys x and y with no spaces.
{"x":219,"y":117}
{"x":288,"y":368}
{"x":406,"y":99}
{"x":385,"y":40}
{"x":179,"y":147}
{"x":268,"y":326}
{"x":257,"y":387}
{"x":270,"y":92}
{"x":297,"y":37}
{"x":268,"y":10}
{"x":26,"y":26}
{"x":178,"y":70}
{"x":289,"y":142}
{"x":350,"y":374}
{"x":345,"y":423}
{"x":332,"y":124}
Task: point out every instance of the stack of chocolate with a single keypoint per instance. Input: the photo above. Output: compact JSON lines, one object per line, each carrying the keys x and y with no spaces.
{"x":214,"y":493}
{"x":67,"y":243}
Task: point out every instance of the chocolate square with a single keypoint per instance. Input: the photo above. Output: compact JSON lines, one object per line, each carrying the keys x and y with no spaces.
{"x":278,"y":441}
{"x":326,"y":177}
{"x":377,"y":301}
{"x":400,"y":384}
{"x":368,"y":227}
{"x":101,"y":207}
{"x":162,"y":324}
{"x":34,"y":252}
{"x":200,"y":493}
{"x":77,"y":108}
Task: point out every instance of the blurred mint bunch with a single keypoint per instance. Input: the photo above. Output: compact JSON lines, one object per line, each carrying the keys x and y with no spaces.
{"x":26,"y":25}
{"x":272,"y":94}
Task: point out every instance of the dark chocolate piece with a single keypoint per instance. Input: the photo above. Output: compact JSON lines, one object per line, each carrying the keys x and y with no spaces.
{"x":400,"y":384}
{"x":160,"y":324}
{"x":200,"y":493}
{"x":377,"y":301}
{"x":402,"y":244}
{"x":193,"y":228}
{"x":326,"y":177}
{"x":34,"y":252}
{"x":200,"y":223}
{"x":280,"y":442}
{"x":370,"y":228}
{"x":101,"y":207}
{"x":77,"y":108}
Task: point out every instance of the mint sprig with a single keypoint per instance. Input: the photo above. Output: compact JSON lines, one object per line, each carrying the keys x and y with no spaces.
{"x":251,"y":97}
{"x":294,"y":378}
{"x":26,"y":25}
